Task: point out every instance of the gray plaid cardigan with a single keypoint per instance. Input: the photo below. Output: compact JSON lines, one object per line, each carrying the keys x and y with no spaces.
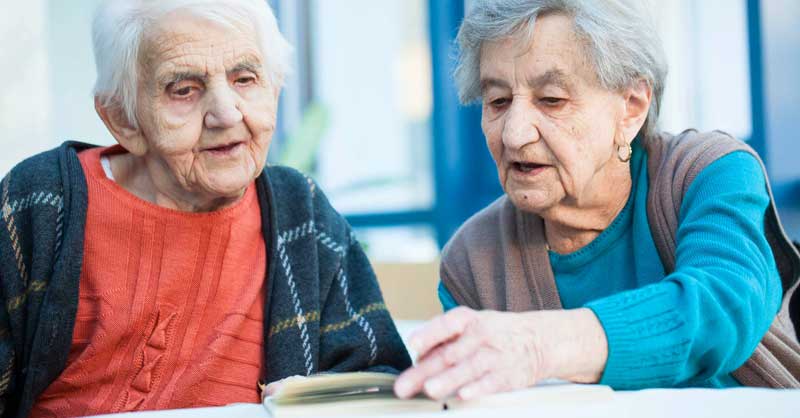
{"x":324,"y":310}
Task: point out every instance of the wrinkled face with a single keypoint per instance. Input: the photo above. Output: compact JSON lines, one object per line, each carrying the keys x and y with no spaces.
{"x":549,"y":125}
{"x":206,"y":108}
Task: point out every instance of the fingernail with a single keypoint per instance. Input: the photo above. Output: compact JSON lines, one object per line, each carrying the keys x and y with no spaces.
{"x":466,"y":394}
{"x":433,"y":386}
{"x":402,"y":388}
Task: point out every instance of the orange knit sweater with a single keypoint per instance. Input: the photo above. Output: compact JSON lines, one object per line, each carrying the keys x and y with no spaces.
{"x":171,"y":305}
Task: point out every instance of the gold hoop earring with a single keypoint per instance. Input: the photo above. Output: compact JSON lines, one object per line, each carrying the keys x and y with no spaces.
{"x":624,"y":156}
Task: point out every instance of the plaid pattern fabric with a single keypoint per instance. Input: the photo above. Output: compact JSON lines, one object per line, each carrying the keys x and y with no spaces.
{"x":324,"y":310}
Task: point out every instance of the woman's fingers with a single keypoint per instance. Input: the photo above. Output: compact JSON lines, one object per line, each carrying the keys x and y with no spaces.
{"x":440,"y":329}
{"x":411,"y":382}
{"x":273,"y":388}
{"x":445,"y":368}
{"x":476,"y":353}
{"x":433,"y":342}
{"x":464,"y":373}
{"x":486,"y":385}
{"x":464,"y":347}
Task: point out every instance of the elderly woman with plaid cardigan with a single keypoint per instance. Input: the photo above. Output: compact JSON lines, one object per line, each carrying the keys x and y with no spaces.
{"x":173,"y":269}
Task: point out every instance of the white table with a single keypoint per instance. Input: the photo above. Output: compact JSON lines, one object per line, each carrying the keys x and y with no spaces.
{"x":725,"y":403}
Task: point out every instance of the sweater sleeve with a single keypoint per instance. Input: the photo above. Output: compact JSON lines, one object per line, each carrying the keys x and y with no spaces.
{"x":706,"y":318}
{"x":7,"y":355}
{"x":357,"y":332}
{"x":445,"y":297}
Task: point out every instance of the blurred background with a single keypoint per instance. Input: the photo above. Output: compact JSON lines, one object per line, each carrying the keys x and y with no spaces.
{"x":371,"y":112}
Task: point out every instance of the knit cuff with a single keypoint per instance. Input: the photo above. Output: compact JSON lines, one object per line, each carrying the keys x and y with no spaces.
{"x":647,"y":344}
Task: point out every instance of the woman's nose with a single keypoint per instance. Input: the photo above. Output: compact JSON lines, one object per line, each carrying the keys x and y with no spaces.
{"x":223,"y":110}
{"x":520,"y":128}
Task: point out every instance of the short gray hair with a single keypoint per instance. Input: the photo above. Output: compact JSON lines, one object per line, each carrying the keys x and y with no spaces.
{"x":119,"y":27}
{"x":620,"y":38}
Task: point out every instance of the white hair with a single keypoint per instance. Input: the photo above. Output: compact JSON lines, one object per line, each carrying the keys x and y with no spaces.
{"x":120,"y":25}
{"x":620,"y":39}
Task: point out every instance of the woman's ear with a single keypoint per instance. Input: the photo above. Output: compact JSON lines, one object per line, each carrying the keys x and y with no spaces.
{"x":124,"y":132}
{"x":637,"y":105}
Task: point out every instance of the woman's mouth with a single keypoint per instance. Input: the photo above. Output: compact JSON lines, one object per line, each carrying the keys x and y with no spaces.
{"x":226,"y":149}
{"x":527,"y":169}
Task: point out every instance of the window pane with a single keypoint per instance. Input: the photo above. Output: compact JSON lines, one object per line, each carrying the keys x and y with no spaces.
{"x":401,"y":244}
{"x":708,"y":86}
{"x":781,"y":43}
{"x":24,"y":102}
{"x":46,"y":92}
{"x":372,"y":78}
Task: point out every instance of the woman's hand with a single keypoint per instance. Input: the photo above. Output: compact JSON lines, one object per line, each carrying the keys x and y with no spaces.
{"x":474,"y":353}
{"x":275,"y":386}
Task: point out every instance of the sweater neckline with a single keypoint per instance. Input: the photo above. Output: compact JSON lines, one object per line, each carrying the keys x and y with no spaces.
{"x":609,"y":236}
{"x":92,"y":166}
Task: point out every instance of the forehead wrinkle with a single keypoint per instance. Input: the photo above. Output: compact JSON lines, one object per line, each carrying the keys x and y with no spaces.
{"x":195,"y":48}
{"x":246,"y":65}
{"x":206,"y":62}
{"x":489,"y":82}
{"x":198,"y":48}
{"x":167,"y":44}
{"x":553,"y":76}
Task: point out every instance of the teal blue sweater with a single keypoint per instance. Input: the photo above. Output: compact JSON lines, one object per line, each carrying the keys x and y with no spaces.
{"x":702,"y":321}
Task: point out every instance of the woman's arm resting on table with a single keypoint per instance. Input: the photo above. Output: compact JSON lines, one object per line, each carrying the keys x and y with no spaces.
{"x":704,"y":319}
{"x":475,"y":353}
{"x":701,"y":321}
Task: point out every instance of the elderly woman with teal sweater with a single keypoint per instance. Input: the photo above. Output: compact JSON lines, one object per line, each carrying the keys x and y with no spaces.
{"x":618,"y":255}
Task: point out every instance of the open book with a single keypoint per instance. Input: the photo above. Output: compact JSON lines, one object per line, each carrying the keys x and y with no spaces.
{"x":365,"y":393}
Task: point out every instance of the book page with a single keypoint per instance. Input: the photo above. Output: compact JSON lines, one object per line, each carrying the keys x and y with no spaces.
{"x":333,"y":385}
{"x":547,"y":393}
{"x":343,"y":394}
{"x":370,"y":394}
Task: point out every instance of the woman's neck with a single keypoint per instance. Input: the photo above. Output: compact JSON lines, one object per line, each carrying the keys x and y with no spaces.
{"x":153,"y":183}
{"x":572,"y":225}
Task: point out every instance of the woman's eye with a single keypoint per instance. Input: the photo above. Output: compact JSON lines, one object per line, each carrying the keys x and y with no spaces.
{"x":183,"y":91}
{"x":552,"y":101}
{"x":245,"y":81}
{"x":498,"y":103}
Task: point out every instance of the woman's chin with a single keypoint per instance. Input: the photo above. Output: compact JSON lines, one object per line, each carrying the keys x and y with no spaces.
{"x":227,"y":186}
{"x":533,"y":201}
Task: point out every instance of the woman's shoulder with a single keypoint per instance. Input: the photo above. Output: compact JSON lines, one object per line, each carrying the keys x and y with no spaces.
{"x":691,"y":150}
{"x":675,"y":161}
{"x":44,"y":171}
{"x":42,"y":165}
{"x":299,"y":202}
{"x":704,"y":150}
{"x":285,"y":178}
{"x":736,"y":173}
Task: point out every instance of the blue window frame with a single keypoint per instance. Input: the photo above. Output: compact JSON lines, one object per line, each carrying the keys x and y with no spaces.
{"x":465,"y":178}
{"x":775,"y":100}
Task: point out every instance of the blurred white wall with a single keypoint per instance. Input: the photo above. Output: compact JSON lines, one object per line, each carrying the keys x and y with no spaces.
{"x":24,"y":81}
{"x":708,"y":86}
{"x":46,"y":77}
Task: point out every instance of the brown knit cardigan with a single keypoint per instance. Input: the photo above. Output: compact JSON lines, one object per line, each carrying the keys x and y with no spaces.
{"x":498,"y":259}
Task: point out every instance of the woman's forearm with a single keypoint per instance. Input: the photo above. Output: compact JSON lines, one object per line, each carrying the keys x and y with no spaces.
{"x":574,"y":344}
